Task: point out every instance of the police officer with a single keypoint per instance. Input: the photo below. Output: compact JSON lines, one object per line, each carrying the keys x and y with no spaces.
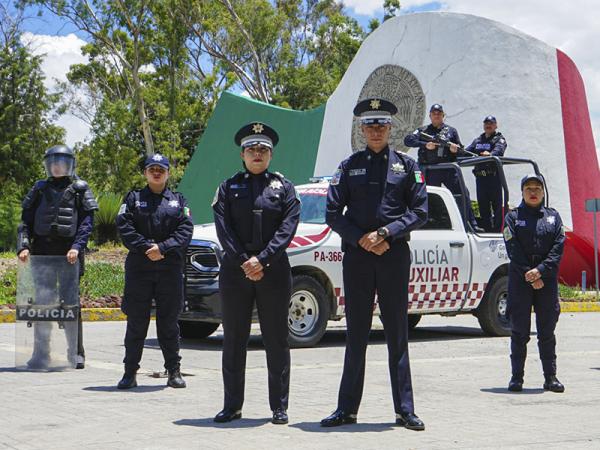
{"x":534,"y":237}
{"x":156,"y":226}
{"x":376,"y":198}
{"x":256,"y":215}
{"x":57,"y":219}
{"x":440,"y":143}
{"x":489,"y":189}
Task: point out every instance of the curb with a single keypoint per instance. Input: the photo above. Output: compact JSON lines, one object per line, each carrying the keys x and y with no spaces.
{"x":115,"y":314}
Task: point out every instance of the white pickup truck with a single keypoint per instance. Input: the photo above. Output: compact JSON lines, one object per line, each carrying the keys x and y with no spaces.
{"x":454,"y":271}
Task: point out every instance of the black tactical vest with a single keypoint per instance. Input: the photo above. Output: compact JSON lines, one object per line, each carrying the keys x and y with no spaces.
{"x":56,"y":215}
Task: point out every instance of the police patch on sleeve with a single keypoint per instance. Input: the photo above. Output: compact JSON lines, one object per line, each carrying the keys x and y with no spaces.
{"x":215,"y":198}
{"x":335,"y":180}
{"x":419,"y":178}
{"x":122,"y":209}
{"x":186,"y":211}
{"x":507,"y":234}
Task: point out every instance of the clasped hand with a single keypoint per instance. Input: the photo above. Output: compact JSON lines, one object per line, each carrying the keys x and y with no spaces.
{"x":374,"y":243}
{"x":253,"y":269}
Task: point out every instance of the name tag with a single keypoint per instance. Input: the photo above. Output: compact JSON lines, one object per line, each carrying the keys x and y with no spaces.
{"x":520,"y":223}
{"x":140,"y":204}
{"x":355,"y":172}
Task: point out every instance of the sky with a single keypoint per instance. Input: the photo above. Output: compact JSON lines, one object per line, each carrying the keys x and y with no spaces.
{"x":573,"y":26}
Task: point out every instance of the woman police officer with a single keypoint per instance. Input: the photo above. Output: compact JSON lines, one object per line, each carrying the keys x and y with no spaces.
{"x":155,"y":225}
{"x":534,"y":237}
{"x":256,"y":215}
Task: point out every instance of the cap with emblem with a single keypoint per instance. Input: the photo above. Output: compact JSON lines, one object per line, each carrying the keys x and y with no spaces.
{"x":531,"y":176}
{"x":256,"y":133}
{"x":436,"y":107}
{"x":490,"y":119}
{"x":375,"y":111}
{"x":156,"y":160}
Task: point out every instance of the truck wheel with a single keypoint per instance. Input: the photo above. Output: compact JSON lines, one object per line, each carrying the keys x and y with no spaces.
{"x":308,"y":312}
{"x":196,"y":330}
{"x":491,"y":314}
{"x":413,"y":320}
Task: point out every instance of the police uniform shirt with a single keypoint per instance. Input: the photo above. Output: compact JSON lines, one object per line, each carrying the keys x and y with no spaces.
{"x":54,"y":191}
{"x":534,"y":239}
{"x":495,"y":144}
{"x":425,"y":156}
{"x":256,"y":215}
{"x":146,"y":218}
{"x":384,"y":190}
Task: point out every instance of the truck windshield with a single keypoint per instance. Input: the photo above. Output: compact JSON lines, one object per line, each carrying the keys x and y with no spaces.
{"x":313,"y":205}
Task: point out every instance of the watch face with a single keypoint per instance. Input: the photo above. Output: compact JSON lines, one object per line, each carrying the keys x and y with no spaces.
{"x":381,"y":232}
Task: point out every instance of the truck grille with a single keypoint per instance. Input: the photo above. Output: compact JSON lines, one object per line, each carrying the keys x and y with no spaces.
{"x":202,"y":262}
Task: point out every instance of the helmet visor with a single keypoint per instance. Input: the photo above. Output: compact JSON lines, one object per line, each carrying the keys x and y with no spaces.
{"x":59,"y":166}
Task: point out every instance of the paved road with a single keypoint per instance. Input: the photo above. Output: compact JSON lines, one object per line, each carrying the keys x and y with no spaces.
{"x":459,"y":378}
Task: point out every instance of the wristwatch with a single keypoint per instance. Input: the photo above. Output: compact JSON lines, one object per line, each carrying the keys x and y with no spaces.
{"x":383,"y":232}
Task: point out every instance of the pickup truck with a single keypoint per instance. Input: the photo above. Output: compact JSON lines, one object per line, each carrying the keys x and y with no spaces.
{"x":454,"y":269}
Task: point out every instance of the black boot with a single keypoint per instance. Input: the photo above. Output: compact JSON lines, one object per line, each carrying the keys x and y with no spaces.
{"x":337,"y":418}
{"x":515,"y":384}
{"x":410,"y":421}
{"x":227,"y":415}
{"x":280,"y":416}
{"x":552,"y":384}
{"x":175,"y":379}
{"x":128,"y":381}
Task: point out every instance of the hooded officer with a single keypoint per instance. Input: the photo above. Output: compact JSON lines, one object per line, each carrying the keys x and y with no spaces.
{"x":441,"y":146}
{"x":57,"y":219}
{"x":376,"y":198}
{"x":256,"y":216}
{"x":489,"y":189}
{"x":156,"y":227}
{"x":534,"y":237}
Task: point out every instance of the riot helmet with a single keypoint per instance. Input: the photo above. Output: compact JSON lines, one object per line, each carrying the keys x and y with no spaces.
{"x":59,"y":161}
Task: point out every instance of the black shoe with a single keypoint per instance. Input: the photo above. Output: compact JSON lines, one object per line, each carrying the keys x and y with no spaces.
{"x":552,"y":384}
{"x":515,"y":384}
{"x":227,"y":415}
{"x":80,"y":362}
{"x":175,"y":379}
{"x":38,"y":362}
{"x":410,"y":421}
{"x":337,"y":418}
{"x":279,"y":416}
{"x":128,"y":381}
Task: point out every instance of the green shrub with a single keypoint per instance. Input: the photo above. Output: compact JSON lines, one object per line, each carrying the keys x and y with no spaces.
{"x":105,"y":229}
{"x":102,"y":279}
{"x":10,"y":215}
{"x":8,"y":286}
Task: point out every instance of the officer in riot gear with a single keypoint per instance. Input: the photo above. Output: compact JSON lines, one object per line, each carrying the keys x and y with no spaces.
{"x":57,"y":219}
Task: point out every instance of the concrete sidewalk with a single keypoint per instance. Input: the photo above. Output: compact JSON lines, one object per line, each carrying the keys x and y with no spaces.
{"x":459,"y":377}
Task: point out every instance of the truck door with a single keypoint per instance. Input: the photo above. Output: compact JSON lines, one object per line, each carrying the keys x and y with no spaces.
{"x":441,"y":260}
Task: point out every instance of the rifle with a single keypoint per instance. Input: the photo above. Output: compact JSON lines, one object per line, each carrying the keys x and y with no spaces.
{"x":443,"y":144}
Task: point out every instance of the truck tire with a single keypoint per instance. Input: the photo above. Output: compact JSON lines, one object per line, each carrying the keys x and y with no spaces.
{"x":309,"y":311}
{"x":413,"y":320}
{"x":491,"y":313}
{"x":192,"y":329}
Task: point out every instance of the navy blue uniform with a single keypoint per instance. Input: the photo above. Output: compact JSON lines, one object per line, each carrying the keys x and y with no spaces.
{"x":378,"y":189}
{"x":448,"y":177}
{"x":534,"y":239}
{"x":57,"y":216}
{"x":256,"y":215}
{"x":489,"y":187}
{"x":146,"y":218}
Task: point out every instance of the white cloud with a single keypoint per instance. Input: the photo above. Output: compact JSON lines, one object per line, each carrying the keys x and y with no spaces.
{"x":60,"y":52}
{"x":364,"y":7}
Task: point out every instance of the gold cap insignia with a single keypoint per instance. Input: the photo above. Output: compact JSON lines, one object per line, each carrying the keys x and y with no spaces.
{"x":258,"y":128}
{"x":375,"y":104}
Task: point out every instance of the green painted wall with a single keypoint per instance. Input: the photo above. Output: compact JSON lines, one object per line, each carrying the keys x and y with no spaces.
{"x":217,"y":157}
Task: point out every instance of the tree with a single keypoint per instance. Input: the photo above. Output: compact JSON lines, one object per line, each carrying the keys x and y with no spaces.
{"x":291,"y":53}
{"x":26,"y":111}
{"x":390,"y":9}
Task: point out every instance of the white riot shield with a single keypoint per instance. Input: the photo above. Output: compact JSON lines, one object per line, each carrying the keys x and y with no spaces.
{"x":47,"y":314}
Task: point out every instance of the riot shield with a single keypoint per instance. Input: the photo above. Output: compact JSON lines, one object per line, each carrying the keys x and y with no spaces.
{"x":47,"y":313}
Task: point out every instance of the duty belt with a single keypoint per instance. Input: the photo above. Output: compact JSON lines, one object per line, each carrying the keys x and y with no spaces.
{"x":484,"y":173}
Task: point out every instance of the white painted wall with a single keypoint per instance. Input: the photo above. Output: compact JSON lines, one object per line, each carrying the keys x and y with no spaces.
{"x":473,"y":67}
